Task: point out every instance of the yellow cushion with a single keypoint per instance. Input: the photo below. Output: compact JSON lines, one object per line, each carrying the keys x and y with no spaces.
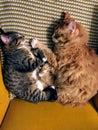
{"x":4,"y":99}
{"x":22,"y":115}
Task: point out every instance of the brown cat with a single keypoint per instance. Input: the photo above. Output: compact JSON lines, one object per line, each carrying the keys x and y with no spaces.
{"x":77,"y":69}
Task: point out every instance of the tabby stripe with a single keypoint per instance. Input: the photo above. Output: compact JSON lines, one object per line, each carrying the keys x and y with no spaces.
{"x":26,"y":63}
{"x":31,"y":97}
{"x":35,"y":95}
{"x":30,"y":63}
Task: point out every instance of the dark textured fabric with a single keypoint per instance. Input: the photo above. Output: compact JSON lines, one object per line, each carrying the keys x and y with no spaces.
{"x":37,"y":18}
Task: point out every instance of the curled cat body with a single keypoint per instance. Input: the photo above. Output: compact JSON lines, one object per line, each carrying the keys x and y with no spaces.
{"x":21,"y":68}
{"x":77,"y":64}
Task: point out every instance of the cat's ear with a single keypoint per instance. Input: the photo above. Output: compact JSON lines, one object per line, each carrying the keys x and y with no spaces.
{"x":67,"y":16}
{"x":6,"y":40}
{"x":72,"y":26}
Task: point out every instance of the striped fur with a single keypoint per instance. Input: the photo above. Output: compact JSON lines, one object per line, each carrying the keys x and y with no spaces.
{"x":20,"y":69}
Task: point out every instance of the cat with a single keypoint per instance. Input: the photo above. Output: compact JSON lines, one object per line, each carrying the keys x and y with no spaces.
{"x":20,"y":69}
{"x":77,"y":64}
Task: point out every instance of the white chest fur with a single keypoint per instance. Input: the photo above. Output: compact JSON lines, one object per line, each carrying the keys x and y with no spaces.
{"x":38,"y":82}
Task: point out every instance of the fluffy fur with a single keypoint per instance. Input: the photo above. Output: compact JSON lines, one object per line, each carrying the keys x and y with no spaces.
{"x":77,"y":64}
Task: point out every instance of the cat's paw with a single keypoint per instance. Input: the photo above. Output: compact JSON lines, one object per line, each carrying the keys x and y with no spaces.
{"x":52,"y":93}
{"x":42,"y":56}
{"x":44,"y":59}
{"x":34,"y":42}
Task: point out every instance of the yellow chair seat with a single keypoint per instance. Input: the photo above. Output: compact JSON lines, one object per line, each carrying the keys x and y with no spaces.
{"x":4,"y":98}
{"x":22,"y":115}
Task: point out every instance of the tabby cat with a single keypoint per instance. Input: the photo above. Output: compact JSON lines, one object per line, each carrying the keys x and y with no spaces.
{"x":77,"y":64}
{"x":20,"y":69}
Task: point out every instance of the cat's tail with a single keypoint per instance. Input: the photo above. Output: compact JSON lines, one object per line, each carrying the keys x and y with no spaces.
{"x":35,"y":96}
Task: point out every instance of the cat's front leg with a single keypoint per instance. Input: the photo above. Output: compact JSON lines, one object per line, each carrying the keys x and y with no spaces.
{"x":49,"y":55}
{"x":39,"y":52}
{"x":34,"y":42}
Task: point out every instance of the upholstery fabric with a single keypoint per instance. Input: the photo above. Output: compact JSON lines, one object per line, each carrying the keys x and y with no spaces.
{"x":38,"y":18}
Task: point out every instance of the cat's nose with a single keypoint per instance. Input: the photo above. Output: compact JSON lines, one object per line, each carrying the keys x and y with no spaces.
{"x":21,"y":37}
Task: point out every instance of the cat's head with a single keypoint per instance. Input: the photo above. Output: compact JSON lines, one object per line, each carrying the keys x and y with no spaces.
{"x":11,"y":39}
{"x":65,"y":30}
